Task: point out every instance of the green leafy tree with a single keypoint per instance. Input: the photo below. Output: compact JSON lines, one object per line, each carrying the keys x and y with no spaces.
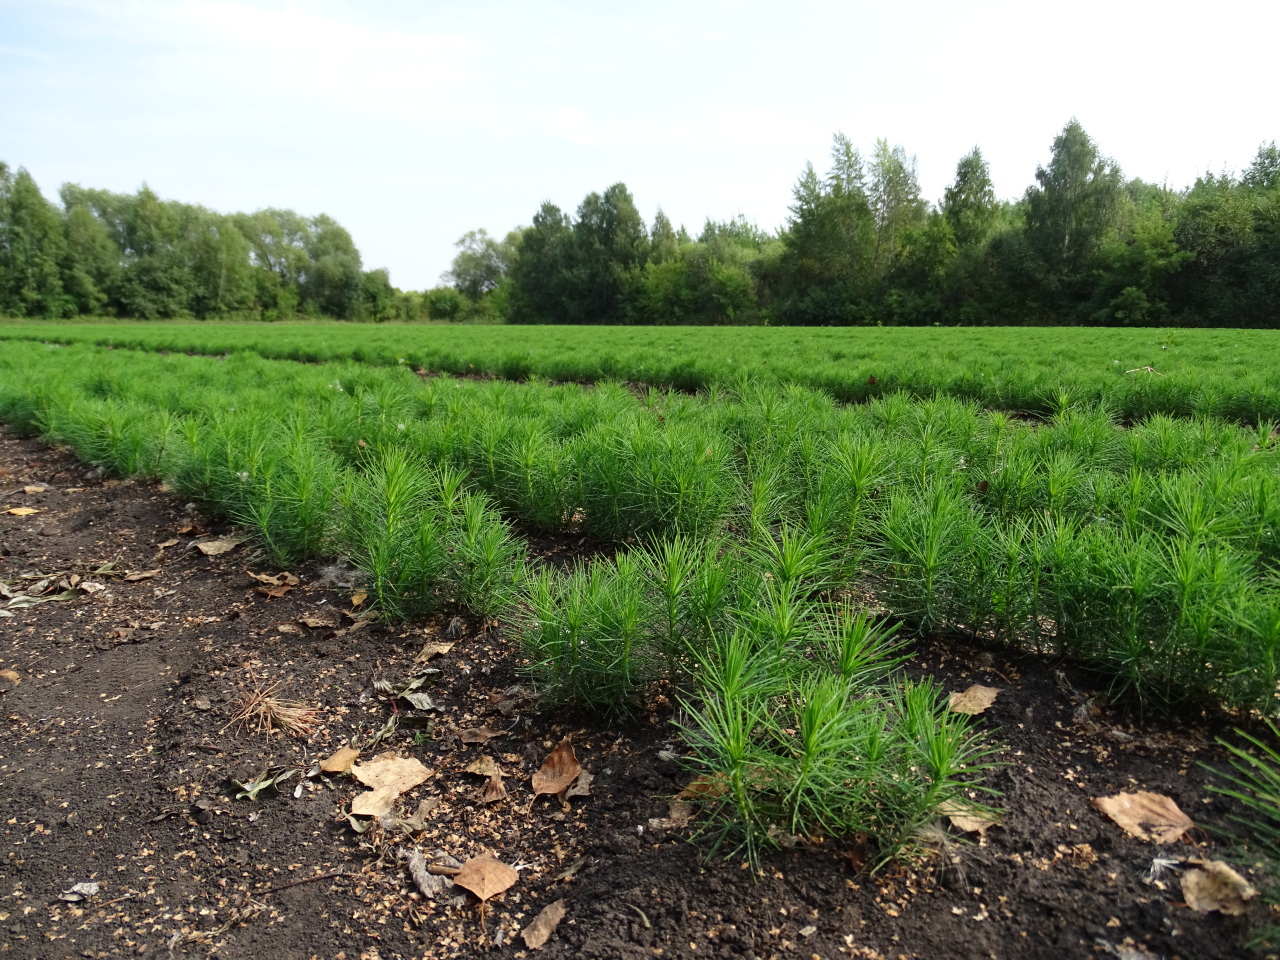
{"x":32,"y":249}
{"x":1069,"y":212}
{"x":331,"y":283}
{"x":480,"y":263}
{"x":537,"y":272}
{"x":969,"y":203}
{"x":894,"y":198}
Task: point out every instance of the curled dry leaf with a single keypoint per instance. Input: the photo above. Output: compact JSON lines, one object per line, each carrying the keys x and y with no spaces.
{"x":134,"y":576}
{"x":23,"y":511}
{"x":486,"y":877}
{"x":340,"y":761}
{"x":493,"y":789}
{"x":1212,"y":885}
{"x":484,"y":767}
{"x":479,"y":734}
{"x":544,"y":925}
{"x":358,"y":598}
{"x":431,"y":885}
{"x":968,"y":818}
{"x":315,"y":621}
{"x":559,"y":770}
{"x":432,"y":650}
{"x":974,"y":700}
{"x":173,"y":542}
{"x":1147,"y":816}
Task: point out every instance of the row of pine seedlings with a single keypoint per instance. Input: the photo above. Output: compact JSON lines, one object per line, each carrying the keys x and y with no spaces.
{"x":1040,"y":370}
{"x":756,"y":528}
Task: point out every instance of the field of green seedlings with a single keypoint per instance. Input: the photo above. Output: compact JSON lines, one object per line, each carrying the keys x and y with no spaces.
{"x":1138,"y":372}
{"x":775,"y":548}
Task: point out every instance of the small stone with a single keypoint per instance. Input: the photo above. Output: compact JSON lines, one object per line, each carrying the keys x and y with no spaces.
{"x":202,"y":704}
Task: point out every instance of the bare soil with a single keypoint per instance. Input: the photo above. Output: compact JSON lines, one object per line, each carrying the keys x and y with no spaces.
{"x":117,"y":761}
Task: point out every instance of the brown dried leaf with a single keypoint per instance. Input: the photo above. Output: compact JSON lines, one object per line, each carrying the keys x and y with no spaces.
{"x":135,"y":575}
{"x":314,"y":621}
{"x":680,"y":812}
{"x":375,"y":803}
{"x":23,"y":511}
{"x":168,"y":543}
{"x":580,"y":787}
{"x":707,"y":785}
{"x":213,"y":548}
{"x":493,"y":789}
{"x":358,"y":598}
{"x":432,"y":650}
{"x":479,"y":734}
{"x":9,"y":679}
{"x":1147,"y":816}
{"x":275,"y":580}
{"x":544,"y":925}
{"x":274,"y":593}
{"x":974,"y":700}
{"x":290,"y":628}
{"x":340,"y":761}
{"x":484,"y":767}
{"x":402,"y":773}
{"x":968,"y":818}
{"x":35,"y":488}
{"x":485,"y":877}
{"x":558,"y":771}
{"x":1212,"y":885}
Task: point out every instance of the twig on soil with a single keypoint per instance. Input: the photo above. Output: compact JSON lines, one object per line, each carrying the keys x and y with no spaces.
{"x":298,"y":883}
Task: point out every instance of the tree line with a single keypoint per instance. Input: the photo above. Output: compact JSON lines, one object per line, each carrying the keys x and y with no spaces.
{"x":1083,"y":245}
{"x":136,"y":255}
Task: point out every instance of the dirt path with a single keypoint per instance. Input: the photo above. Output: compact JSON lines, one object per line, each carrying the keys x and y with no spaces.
{"x":116,"y":762}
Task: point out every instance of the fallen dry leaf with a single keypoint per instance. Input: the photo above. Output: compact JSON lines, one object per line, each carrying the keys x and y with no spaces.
{"x":136,"y":575}
{"x":559,"y":770}
{"x":35,"y":488}
{"x":358,"y":598}
{"x":23,"y":511}
{"x":274,"y":593}
{"x":483,"y":767}
{"x":968,"y":818}
{"x":1213,"y":885}
{"x":493,"y":789}
{"x":340,"y":761}
{"x":168,"y":543}
{"x":213,"y":548}
{"x":403,"y":773}
{"x":680,"y":812}
{"x":432,"y":650}
{"x":1147,"y":816}
{"x":580,"y":787}
{"x":974,"y":700}
{"x":479,"y":734}
{"x":290,"y":628}
{"x":88,"y":586}
{"x":704,"y":786}
{"x":9,"y":679}
{"x":544,"y":925}
{"x":374,"y":803}
{"x":315,"y":621}
{"x":276,"y":580}
{"x":485,"y":877}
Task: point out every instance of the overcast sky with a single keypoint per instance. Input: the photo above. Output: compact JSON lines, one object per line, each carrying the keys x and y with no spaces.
{"x":413,"y":122}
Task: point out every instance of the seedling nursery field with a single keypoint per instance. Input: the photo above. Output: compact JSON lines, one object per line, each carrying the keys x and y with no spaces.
{"x":329,"y":640}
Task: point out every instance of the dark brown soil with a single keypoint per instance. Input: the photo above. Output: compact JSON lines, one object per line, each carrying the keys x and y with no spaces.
{"x":117,"y":761}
